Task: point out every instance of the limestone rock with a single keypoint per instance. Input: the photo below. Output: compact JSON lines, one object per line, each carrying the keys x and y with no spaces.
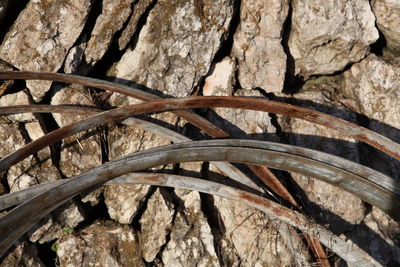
{"x":388,"y":21}
{"x":176,"y":45}
{"x":41,"y":36}
{"x":56,"y":224}
{"x":333,"y":200}
{"x":326,"y":36}
{"x":257,"y":44}
{"x":222,"y":78}
{"x":155,"y":224}
{"x":74,"y":58}
{"x":191,"y":242}
{"x":82,"y":151}
{"x":373,"y":86}
{"x":124,"y":201}
{"x":100,"y":244}
{"x":139,"y":9}
{"x":25,"y":254}
{"x":249,"y":238}
{"x":111,"y":19}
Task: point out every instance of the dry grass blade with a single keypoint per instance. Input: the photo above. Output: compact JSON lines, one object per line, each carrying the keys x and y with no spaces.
{"x":14,"y":224}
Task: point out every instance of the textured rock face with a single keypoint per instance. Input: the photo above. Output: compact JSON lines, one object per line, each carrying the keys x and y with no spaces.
{"x":80,"y":152}
{"x":155,"y":224}
{"x":257,"y":44}
{"x":244,"y":230}
{"x":191,"y":239}
{"x":40,"y":38}
{"x":373,"y":86}
{"x":388,"y":20}
{"x":113,"y":15}
{"x":328,"y":35}
{"x":247,"y":48}
{"x":335,"y":203}
{"x":101,"y":244}
{"x":176,"y":45}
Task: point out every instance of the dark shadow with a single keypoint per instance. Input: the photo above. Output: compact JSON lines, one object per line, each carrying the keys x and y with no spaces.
{"x":380,"y":44}
{"x":292,"y":83}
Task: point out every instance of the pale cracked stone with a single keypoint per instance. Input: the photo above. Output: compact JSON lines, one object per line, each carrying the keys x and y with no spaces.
{"x":221,"y":81}
{"x":139,"y":8}
{"x":57,"y":223}
{"x":338,"y":207}
{"x":257,"y":44}
{"x":16,"y":131}
{"x":176,"y":46}
{"x":191,"y":241}
{"x":326,"y":36}
{"x":250,"y":238}
{"x":124,"y":201}
{"x":100,"y":244}
{"x":155,"y":224}
{"x":388,"y":21}
{"x":41,"y":36}
{"x":373,"y":85}
{"x":24,"y":254}
{"x":80,"y":152}
{"x":113,"y":15}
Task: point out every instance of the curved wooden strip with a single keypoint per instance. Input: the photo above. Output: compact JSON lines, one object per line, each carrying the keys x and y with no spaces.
{"x":326,"y":167}
{"x":110,"y":116}
{"x":357,"y":132}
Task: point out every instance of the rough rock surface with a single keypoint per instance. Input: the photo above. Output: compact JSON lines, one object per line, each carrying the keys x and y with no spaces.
{"x":336,"y":204}
{"x":101,"y":244}
{"x":191,"y":241}
{"x":82,"y":151}
{"x":244,"y":229}
{"x":327,"y":36}
{"x":155,"y":224}
{"x":40,"y":38}
{"x":24,"y":254}
{"x":170,"y":54}
{"x":373,"y":87}
{"x":54,"y":225}
{"x":114,"y":14}
{"x":388,"y":20}
{"x":257,"y":44}
{"x":246,"y":48}
{"x":138,"y":10}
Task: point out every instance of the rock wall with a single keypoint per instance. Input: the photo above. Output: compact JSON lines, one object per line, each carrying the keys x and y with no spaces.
{"x":339,"y":57}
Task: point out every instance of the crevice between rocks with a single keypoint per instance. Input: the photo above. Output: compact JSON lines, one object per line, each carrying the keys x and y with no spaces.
{"x":292,"y":83}
{"x":13,"y":10}
{"x":225,"y":48}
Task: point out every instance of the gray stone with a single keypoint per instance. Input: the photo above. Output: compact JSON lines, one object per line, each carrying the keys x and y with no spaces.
{"x":191,"y":242}
{"x":57,"y":224}
{"x":176,"y":45}
{"x":25,"y":254}
{"x":388,"y":21}
{"x":373,"y":86}
{"x":111,"y":19}
{"x":326,"y":36}
{"x":41,"y":36}
{"x":154,"y":225}
{"x":249,"y":237}
{"x":100,"y":244}
{"x":79,"y":153}
{"x":333,"y":201}
{"x":257,"y":44}
{"x":139,"y":8}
